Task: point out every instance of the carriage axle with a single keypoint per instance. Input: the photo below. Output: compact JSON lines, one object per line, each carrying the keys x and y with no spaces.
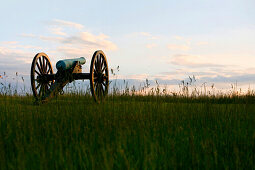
{"x":51,"y":77}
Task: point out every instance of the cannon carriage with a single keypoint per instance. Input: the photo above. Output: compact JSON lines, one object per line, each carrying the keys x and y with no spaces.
{"x":45,"y":84}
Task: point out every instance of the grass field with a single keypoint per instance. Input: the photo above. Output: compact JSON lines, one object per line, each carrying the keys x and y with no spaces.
{"x":125,"y":132}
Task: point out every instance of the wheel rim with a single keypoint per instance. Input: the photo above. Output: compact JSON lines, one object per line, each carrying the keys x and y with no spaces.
{"x":99,"y":81}
{"x":41,"y":66}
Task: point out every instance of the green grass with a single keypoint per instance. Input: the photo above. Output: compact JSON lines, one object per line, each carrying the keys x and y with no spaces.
{"x":124,"y":132}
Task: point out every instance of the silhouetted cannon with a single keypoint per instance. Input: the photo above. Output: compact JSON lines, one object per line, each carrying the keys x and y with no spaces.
{"x":45,"y":84}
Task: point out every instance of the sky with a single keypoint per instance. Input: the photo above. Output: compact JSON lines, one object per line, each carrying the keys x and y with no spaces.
{"x":163,"y":40}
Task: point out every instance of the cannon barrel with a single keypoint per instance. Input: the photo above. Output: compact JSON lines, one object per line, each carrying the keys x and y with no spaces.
{"x":69,"y":63}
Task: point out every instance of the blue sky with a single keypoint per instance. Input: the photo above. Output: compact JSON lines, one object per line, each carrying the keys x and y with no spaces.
{"x":164,"y":40}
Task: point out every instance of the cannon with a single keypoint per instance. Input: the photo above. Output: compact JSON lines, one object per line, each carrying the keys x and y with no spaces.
{"x":45,"y":84}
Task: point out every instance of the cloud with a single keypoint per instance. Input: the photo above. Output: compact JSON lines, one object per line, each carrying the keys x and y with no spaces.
{"x":57,"y":22}
{"x":148,"y":35}
{"x":73,"y":44}
{"x":9,"y":42}
{"x":202,"y":43}
{"x":58,"y":31}
{"x":72,"y":51}
{"x":178,"y":37}
{"x":27,"y":35}
{"x":15,"y":60}
{"x":187,"y":43}
{"x":82,"y":43}
{"x":151,"y":45}
{"x":51,"y":38}
{"x":178,"y":47}
{"x":18,"y":57}
{"x":10,"y":56}
{"x":8,"y":45}
{"x":192,"y":61}
{"x":244,"y":78}
{"x":134,"y":76}
{"x":91,"y":40}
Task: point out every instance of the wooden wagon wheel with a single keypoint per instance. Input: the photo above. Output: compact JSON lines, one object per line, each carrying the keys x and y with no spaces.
{"x":41,"y":66}
{"x":99,"y":80}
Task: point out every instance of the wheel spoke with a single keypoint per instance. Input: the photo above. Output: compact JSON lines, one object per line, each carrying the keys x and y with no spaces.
{"x":46,"y":65}
{"x":49,"y":86}
{"x":39,"y":68}
{"x":43,"y":61}
{"x":105,"y":77}
{"x":43,"y":90}
{"x":37,"y":73}
{"x":96,"y":66}
{"x":38,"y":86}
{"x":95,"y":71}
{"x":46,"y":87}
{"x":95,"y":78}
{"x":40,"y":91}
{"x":99,"y":62}
{"x":41,"y":65}
{"x":104,"y":69}
{"x":102,"y":62}
{"x":104,"y":83}
{"x":102,"y":89}
{"x":96,"y":84}
{"x":49,"y":70}
{"x":96,"y":90}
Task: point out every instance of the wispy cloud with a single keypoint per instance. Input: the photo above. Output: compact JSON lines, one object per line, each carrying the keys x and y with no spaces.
{"x":15,"y":60}
{"x":151,"y":45}
{"x":76,"y":43}
{"x":180,"y":43}
{"x":192,"y":61}
{"x":202,"y":43}
{"x":149,"y":35}
{"x":178,"y":37}
{"x":89,"y":39}
{"x":134,"y":76}
{"x":51,"y":38}
{"x":28,"y":35}
{"x":16,"y":56}
{"x":10,"y":56}
{"x":9,"y":42}
{"x":58,"y":31}
{"x":178,"y":47}
{"x":83,"y":43}
{"x":58,"y":22}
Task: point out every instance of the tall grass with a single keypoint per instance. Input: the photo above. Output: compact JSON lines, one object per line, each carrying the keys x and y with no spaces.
{"x":129,"y":130}
{"x":125,"y":132}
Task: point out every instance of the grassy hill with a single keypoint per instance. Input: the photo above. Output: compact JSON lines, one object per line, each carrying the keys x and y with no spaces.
{"x":125,"y":132}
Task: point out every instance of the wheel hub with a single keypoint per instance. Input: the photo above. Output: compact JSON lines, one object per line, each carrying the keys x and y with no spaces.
{"x":42,"y":79}
{"x":100,"y":77}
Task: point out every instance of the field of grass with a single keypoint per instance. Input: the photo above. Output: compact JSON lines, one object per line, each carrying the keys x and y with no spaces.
{"x":125,"y":132}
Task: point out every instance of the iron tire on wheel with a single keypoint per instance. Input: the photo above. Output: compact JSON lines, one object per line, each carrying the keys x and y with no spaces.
{"x":40,"y":67}
{"x":99,"y":76}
